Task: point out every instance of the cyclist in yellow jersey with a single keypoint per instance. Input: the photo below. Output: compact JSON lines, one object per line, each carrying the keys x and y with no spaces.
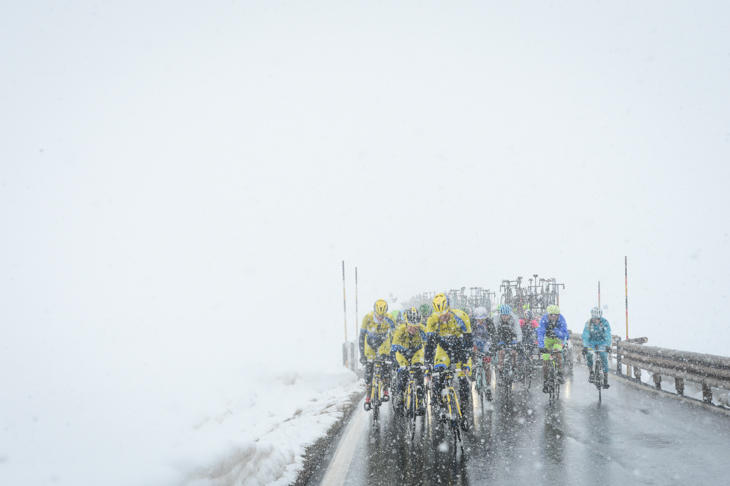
{"x":449,"y":340}
{"x":408,"y":346}
{"x":374,"y":342}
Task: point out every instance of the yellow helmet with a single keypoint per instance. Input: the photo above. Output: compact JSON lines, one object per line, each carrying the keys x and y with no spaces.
{"x":441,"y":304}
{"x":380,"y":307}
{"x":553,"y":309}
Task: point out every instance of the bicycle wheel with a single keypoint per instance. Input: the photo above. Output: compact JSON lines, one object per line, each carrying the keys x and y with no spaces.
{"x":551,"y":382}
{"x":598,"y":374}
{"x":482,"y":385}
{"x":411,"y":413}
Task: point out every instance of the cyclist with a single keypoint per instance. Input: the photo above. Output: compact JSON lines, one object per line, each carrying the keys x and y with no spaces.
{"x":507,"y":330}
{"x":529,"y":335}
{"x":408,"y":345}
{"x":425,"y":311}
{"x":551,"y":335}
{"x":597,"y":332}
{"x":374,"y":342}
{"x":449,"y":340}
{"x":480,"y":331}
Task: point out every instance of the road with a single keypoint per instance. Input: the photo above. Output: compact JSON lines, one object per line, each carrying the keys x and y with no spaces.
{"x":632,"y":437}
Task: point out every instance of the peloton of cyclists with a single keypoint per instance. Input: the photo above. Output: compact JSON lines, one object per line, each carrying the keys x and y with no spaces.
{"x":597,"y":332}
{"x":408,"y":346}
{"x":552,"y":333}
{"x":374,"y":343}
{"x":506,"y":331}
{"x":449,"y":341}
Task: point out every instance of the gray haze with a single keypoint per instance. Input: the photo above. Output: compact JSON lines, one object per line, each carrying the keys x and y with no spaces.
{"x":181,"y":180}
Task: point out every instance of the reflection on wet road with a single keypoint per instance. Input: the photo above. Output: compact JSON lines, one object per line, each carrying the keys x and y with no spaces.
{"x":632,"y":437}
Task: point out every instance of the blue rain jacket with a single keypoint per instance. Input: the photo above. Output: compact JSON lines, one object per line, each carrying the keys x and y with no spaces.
{"x":559,"y":330}
{"x":596,"y":334}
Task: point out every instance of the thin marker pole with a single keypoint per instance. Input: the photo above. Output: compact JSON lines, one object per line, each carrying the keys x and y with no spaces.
{"x":626,"y":273}
{"x":356,"y":318}
{"x":344,"y":299}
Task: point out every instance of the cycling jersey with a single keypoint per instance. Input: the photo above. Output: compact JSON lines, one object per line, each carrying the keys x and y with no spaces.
{"x":509,"y":331}
{"x":557,"y":330}
{"x":458,"y":325}
{"x":450,"y":339}
{"x":408,"y":349}
{"x":374,"y":336}
{"x":481,"y":337}
{"x":596,"y":334}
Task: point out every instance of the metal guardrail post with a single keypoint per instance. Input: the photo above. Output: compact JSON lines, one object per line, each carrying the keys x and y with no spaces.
{"x":679,"y":386}
{"x":618,"y":358}
{"x":657,"y":380}
{"x":706,"y":393}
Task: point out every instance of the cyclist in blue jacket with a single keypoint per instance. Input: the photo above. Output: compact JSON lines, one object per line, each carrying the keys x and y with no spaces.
{"x":552,"y":334}
{"x":597,"y":332}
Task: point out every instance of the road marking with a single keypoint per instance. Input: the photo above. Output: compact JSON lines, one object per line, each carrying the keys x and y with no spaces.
{"x":340,"y":464}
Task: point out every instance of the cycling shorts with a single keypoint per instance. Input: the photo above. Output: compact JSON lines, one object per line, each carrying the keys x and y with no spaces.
{"x":551,"y":343}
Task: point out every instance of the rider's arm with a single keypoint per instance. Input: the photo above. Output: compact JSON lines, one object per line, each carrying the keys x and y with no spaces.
{"x":363,"y":334}
{"x":517,"y":329}
{"x":586,"y":334}
{"x":608,"y":332}
{"x":541,"y":332}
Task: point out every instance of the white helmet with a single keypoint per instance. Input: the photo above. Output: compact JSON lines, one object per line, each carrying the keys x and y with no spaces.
{"x":596,"y":312}
{"x":480,"y":313}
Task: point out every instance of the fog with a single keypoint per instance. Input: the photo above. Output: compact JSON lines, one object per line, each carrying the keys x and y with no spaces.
{"x":181,"y":181}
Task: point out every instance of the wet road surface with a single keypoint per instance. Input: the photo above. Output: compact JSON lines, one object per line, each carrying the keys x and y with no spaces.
{"x":631,"y":437}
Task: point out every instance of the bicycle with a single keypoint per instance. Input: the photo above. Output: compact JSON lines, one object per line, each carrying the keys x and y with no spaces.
{"x":376,"y":390}
{"x":568,"y":358}
{"x":481,"y":383}
{"x":553,"y":386}
{"x":524,"y":367}
{"x":598,"y":374}
{"x":413,"y":407}
{"x":450,"y":400}
{"x":507,"y":373}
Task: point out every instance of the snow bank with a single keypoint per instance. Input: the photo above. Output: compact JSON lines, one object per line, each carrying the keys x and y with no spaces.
{"x":265,"y":430}
{"x":251,"y":428}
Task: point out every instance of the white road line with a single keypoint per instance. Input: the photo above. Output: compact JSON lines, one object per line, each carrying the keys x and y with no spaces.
{"x":340,"y":464}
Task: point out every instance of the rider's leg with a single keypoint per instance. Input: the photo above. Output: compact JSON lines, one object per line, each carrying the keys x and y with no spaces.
{"x":370,"y":355}
{"x":500,"y":360}
{"x":486,"y":361}
{"x":558,"y":357}
{"x":441,"y":361}
{"x":464,"y":385}
{"x":545,"y":367}
{"x":417,"y":360}
{"x":604,"y":359}
{"x":384,"y":354}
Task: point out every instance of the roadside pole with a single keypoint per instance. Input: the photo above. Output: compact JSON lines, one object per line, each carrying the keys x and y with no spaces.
{"x":356,"y":336}
{"x":626,"y":276}
{"x":346,"y":346}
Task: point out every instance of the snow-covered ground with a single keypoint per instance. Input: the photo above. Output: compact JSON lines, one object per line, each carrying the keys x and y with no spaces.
{"x":252,"y":430}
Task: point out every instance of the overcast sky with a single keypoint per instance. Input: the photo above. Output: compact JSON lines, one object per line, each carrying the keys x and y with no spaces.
{"x":181,"y":180}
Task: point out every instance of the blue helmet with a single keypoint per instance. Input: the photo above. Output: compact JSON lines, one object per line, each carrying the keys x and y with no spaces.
{"x":505,"y":310}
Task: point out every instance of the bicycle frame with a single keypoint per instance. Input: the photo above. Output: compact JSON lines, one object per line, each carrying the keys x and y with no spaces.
{"x":451,"y":401}
{"x":376,"y":390}
{"x":553,"y":385}
{"x":598,"y":368}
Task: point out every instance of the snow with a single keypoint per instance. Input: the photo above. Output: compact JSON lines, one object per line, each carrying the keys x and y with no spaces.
{"x":253,"y":429}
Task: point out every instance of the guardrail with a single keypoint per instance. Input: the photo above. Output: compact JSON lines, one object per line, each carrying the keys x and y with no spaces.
{"x":705,"y":369}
